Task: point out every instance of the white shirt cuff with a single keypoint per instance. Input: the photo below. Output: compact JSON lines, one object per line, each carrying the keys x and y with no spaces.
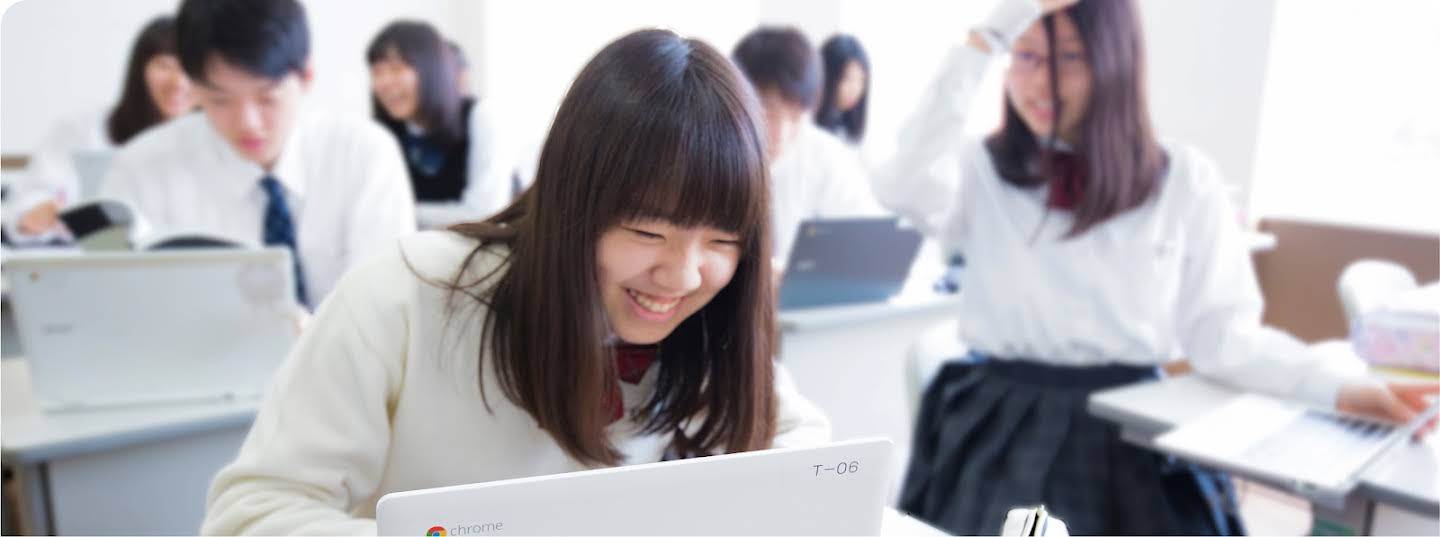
{"x":1008,"y":20}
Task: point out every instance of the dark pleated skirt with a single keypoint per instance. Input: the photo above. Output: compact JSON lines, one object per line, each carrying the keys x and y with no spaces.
{"x":993,"y":435}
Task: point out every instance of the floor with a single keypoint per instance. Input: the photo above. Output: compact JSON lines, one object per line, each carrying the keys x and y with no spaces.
{"x":1268,"y":511}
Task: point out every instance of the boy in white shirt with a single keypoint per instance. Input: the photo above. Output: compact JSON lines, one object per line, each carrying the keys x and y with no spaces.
{"x":254,"y":168}
{"x":812,"y":173}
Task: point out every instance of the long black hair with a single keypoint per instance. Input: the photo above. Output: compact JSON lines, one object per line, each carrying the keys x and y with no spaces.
{"x":836,"y":54}
{"x":420,"y":46}
{"x":1117,"y":144}
{"x":137,"y":110}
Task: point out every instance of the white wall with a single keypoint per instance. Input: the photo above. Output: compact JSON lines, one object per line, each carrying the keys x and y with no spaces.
{"x":818,"y":19}
{"x":1208,"y":61}
{"x":532,"y":50}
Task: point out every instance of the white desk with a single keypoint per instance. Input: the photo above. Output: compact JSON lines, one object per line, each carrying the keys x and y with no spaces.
{"x":138,"y":470}
{"x":1408,"y":480}
{"x":850,"y":361}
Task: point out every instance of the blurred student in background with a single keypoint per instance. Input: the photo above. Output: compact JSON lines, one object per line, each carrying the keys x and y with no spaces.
{"x":452,"y":150}
{"x":846,"y":96}
{"x":462,"y":70}
{"x":155,"y":90}
{"x":256,"y":167}
{"x":1096,"y":252}
{"x":813,"y":174}
{"x":620,"y":312}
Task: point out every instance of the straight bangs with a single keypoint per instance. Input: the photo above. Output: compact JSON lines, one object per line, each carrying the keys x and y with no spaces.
{"x":692,"y":164}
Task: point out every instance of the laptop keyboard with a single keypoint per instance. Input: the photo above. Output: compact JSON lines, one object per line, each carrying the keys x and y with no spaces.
{"x":1319,"y":440}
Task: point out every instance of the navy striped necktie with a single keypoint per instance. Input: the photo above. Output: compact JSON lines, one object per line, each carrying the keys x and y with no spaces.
{"x":279,"y":229}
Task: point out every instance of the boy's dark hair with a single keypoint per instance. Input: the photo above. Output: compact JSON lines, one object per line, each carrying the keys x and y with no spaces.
{"x":269,"y":38}
{"x":780,"y":59}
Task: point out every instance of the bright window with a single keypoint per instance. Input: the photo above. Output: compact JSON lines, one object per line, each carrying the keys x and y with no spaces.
{"x":1350,"y":127}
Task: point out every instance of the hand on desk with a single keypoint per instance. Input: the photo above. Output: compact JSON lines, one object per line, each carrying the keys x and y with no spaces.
{"x":40,"y":219}
{"x":1393,"y":402}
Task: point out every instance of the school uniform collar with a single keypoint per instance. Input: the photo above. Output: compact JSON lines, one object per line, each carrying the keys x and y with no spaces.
{"x":290,"y":169}
{"x":242,"y":177}
{"x":1061,"y":147}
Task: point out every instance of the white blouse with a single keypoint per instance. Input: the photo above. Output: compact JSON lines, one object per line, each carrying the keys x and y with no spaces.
{"x":1172,"y":278}
{"x":380,"y":395}
{"x":344,"y":180}
{"x":818,"y":176}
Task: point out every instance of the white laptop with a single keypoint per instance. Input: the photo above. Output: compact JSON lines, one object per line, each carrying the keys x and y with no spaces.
{"x":836,"y":489}
{"x":1319,"y":454}
{"x":107,"y":329}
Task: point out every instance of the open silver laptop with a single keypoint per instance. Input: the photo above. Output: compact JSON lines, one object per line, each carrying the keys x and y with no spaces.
{"x":124,"y":328}
{"x":836,"y":489}
{"x":1319,"y":454}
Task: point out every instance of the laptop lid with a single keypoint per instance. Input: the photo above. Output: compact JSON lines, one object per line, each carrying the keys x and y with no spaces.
{"x":122,"y":328}
{"x":1316,"y":453}
{"x":90,"y":168}
{"x":835,"y":489}
{"x":845,"y":261}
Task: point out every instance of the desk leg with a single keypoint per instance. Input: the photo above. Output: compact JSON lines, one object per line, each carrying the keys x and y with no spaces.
{"x":1357,"y":517}
{"x":1393,"y":520}
{"x":32,"y":487}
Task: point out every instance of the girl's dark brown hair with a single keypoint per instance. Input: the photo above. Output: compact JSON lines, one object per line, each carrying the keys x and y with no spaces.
{"x":420,"y":46}
{"x":835,"y":55}
{"x":655,"y":126}
{"x":136,"y":110}
{"x":1124,"y":161}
